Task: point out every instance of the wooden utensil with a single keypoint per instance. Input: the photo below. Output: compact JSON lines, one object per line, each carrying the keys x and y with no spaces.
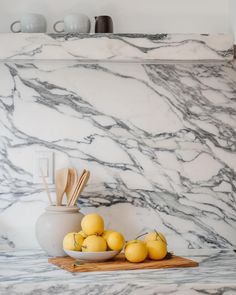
{"x":80,"y":188}
{"x":76,"y":190}
{"x":61,"y":183}
{"x":76,"y":187}
{"x":120,"y":263}
{"x":71,"y":183}
{"x":46,"y":188}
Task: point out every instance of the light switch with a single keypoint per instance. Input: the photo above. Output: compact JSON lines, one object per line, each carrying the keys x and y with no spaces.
{"x":43,"y":165}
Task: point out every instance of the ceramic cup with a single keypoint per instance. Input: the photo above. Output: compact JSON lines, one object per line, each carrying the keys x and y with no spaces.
{"x":30,"y":23}
{"x":73,"y":23}
{"x":52,"y":226}
{"x":103,"y":24}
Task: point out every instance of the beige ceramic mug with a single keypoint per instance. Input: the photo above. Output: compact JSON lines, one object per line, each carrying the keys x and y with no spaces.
{"x":73,"y":23}
{"x":30,"y":23}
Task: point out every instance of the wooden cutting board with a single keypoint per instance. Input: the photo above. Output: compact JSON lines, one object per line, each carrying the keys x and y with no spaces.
{"x":120,"y":263}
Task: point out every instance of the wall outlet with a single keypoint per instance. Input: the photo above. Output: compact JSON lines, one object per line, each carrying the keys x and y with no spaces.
{"x":44,"y":165}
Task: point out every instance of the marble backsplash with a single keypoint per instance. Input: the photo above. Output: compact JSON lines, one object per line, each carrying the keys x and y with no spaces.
{"x":159,"y":140}
{"x":117,"y":47}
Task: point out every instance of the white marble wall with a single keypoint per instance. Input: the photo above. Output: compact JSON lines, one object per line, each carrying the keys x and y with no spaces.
{"x":159,"y":141}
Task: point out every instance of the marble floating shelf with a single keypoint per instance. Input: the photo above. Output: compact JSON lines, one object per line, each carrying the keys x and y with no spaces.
{"x":117,"y":47}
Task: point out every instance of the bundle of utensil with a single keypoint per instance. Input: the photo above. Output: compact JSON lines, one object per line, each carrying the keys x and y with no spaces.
{"x":68,"y":182}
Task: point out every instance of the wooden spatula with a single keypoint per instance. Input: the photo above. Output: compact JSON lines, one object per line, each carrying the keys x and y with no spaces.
{"x":78,"y":186}
{"x":61,"y":183}
{"x":75,"y":188}
{"x":71,"y":183}
{"x":81,"y":188}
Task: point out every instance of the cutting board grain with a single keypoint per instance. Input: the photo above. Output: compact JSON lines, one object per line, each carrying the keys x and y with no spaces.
{"x":120,"y":263}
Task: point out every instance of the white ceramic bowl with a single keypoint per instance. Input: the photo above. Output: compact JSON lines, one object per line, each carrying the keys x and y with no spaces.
{"x":92,"y":256}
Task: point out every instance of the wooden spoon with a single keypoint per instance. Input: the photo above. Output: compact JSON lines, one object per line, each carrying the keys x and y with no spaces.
{"x":46,"y":187}
{"x":81,"y":187}
{"x":61,"y":183}
{"x":71,"y":183}
{"x":75,"y":188}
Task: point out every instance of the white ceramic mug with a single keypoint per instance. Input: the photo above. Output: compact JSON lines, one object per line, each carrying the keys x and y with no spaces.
{"x":30,"y":23}
{"x":74,"y":23}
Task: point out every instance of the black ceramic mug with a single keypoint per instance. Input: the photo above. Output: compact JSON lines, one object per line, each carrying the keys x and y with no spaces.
{"x":104,"y":24}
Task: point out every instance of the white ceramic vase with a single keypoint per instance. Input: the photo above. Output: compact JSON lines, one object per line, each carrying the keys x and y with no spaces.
{"x":54,"y":224}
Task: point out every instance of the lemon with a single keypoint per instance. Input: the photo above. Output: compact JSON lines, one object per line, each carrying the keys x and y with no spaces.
{"x":106,"y":234}
{"x":115,"y":241}
{"x":157,"y":250}
{"x":73,"y":241}
{"x":92,"y":224}
{"x":82,"y":234}
{"x":134,"y":241}
{"x":153,"y":236}
{"x":94,"y":243}
{"x":136,"y":251}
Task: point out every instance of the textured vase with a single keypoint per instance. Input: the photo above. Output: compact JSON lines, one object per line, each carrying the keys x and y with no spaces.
{"x":54,"y":224}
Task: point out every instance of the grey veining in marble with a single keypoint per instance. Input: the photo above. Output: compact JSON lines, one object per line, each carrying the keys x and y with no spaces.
{"x":116,"y":47}
{"x":159,"y":140}
{"x":27,"y":272}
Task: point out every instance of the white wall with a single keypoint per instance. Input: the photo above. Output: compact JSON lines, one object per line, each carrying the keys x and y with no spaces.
{"x":232,"y":8}
{"x":150,"y":16}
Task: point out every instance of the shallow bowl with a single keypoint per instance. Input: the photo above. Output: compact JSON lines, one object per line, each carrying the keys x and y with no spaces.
{"x":92,"y":256}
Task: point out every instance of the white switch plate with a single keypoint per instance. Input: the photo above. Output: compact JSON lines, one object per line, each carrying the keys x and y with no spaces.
{"x":43,"y":163}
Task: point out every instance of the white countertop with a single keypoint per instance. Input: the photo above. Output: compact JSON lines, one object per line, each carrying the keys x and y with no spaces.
{"x":28,"y":272}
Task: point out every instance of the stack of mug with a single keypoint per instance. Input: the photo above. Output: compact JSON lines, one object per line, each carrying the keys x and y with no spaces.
{"x":72,"y":23}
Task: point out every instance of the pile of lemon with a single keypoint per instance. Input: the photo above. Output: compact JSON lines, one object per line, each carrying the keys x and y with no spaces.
{"x":153,"y":247}
{"x":94,"y":238}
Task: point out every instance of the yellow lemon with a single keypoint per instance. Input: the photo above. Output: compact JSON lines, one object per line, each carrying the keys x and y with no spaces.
{"x":136,"y":251}
{"x":73,"y":241}
{"x":115,"y":241}
{"x":157,"y":250}
{"x":94,"y":244}
{"x":92,"y":224}
{"x":106,"y":234}
{"x":154,"y":236}
{"x":134,"y":241}
{"x":82,"y":234}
